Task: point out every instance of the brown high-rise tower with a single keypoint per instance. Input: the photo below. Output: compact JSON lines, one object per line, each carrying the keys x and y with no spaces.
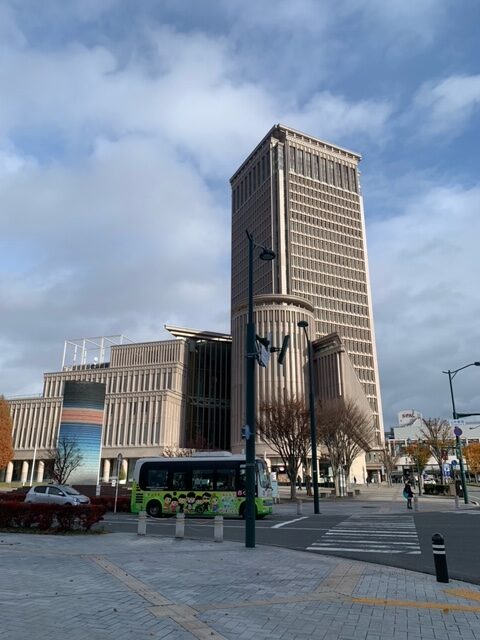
{"x":301,"y":197}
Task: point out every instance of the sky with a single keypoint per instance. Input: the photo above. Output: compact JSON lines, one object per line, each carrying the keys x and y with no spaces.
{"x":121,"y":123}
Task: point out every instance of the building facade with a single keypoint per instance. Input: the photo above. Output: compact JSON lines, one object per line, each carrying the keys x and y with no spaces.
{"x":301,"y":197}
{"x":158,"y":395}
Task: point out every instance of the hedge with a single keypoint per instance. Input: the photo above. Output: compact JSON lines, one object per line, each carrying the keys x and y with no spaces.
{"x":435,"y":489}
{"x":12,"y":496}
{"x":123,"y":503}
{"x":49,"y":517}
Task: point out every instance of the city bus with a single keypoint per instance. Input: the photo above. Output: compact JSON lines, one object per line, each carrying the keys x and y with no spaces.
{"x":200,"y":485}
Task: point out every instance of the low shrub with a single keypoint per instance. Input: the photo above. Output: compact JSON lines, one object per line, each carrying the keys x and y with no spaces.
{"x":49,"y":517}
{"x":12,"y":496}
{"x":123,"y":503}
{"x":435,"y":489}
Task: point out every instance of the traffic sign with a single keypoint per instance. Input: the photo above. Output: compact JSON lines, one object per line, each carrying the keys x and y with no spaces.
{"x":454,"y":462}
{"x":457,"y":431}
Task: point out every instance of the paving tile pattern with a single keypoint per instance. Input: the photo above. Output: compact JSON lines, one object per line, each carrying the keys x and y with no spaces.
{"x":120,"y":586}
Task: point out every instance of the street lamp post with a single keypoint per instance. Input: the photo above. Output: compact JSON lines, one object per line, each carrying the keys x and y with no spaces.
{"x":303,"y":324}
{"x":458,"y":442}
{"x":250,"y":431}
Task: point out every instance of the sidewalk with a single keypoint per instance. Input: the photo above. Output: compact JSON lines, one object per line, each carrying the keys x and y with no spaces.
{"x":119,"y":586}
{"x":392,"y":496}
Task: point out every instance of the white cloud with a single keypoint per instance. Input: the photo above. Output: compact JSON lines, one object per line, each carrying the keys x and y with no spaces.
{"x":448,"y":105}
{"x":425,"y":265}
{"x":337,"y":118}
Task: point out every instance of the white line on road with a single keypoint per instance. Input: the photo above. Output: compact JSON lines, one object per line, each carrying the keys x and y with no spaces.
{"x":282,"y":524}
{"x":361,"y":550}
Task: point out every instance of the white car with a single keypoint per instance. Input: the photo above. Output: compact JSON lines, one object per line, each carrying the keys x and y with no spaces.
{"x":55,"y":494}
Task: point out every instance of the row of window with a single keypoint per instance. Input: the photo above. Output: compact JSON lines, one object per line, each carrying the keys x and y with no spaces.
{"x":324,"y":193}
{"x":340,"y":272}
{"x":322,"y":284}
{"x":314,"y":236}
{"x":256,"y":176}
{"x":351,"y":231}
{"x":333,"y":254}
{"x":323,"y":169}
{"x":150,"y":381}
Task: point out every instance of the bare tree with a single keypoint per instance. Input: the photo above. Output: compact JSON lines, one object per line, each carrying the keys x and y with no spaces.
{"x":389,"y":459}
{"x":346,"y":431}
{"x":285,"y":427}
{"x":65,"y":458}
{"x":437,"y":434}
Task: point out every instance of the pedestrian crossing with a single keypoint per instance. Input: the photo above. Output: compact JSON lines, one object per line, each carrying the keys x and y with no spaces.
{"x":371,"y":534}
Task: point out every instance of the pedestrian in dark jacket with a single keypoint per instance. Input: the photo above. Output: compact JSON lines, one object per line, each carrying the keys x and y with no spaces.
{"x":408,"y":494}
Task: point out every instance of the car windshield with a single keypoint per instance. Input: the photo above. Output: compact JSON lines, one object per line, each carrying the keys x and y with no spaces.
{"x":70,"y":490}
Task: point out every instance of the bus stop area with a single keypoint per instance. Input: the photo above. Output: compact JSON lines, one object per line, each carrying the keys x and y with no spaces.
{"x":121,"y":585}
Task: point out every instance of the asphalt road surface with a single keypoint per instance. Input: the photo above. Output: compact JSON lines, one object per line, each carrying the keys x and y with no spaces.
{"x":396,"y":539}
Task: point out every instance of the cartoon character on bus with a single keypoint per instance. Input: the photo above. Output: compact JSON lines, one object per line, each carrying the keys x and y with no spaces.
{"x":189,"y":507}
{"x":167,"y":501}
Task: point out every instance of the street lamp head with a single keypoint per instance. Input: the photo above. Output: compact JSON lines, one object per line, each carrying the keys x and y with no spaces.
{"x":303,"y":324}
{"x":267,"y":254}
{"x":477,"y":364}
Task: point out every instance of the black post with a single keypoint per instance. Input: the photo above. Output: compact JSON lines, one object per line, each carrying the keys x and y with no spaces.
{"x":250,"y":409}
{"x":303,"y":324}
{"x":440,"y":557}
{"x":458,"y":442}
{"x":313,"y":428}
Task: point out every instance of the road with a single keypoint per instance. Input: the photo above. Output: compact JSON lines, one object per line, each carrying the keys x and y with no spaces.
{"x":379,"y":532}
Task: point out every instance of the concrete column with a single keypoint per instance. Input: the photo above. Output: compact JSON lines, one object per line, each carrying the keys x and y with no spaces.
{"x":24,"y":474}
{"x":40,"y":471}
{"x":106,"y":470}
{"x":9,"y":472}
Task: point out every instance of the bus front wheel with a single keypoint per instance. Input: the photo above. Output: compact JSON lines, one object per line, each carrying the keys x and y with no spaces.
{"x":154,"y":509}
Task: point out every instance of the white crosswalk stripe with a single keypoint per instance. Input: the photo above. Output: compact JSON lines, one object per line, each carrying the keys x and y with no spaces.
{"x":371,"y":534}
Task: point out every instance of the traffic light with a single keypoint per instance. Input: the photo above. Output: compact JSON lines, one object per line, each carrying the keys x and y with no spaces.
{"x":283,"y":349}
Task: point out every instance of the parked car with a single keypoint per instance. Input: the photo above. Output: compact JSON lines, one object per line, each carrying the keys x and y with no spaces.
{"x":55,"y":494}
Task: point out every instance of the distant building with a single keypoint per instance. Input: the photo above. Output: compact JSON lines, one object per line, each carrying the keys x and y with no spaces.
{"x":410,"y":431}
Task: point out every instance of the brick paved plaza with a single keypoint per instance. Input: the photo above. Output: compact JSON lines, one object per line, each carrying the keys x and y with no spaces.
{"x":119,"y":586}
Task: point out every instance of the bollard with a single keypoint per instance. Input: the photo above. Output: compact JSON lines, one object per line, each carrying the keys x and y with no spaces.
{"x":299,"y":507}
{"x":415,"y":503}
{"x":180,"y":526}
{"x":142,"y":523}
{"x":218,"y":529}
{"x":440,"y":557}
{"x":457,"y":503}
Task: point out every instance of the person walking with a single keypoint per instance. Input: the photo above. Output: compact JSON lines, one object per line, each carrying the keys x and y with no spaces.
{"x":299,"y":483}
{"x":308,"y":484}
{"x":408,"y":494}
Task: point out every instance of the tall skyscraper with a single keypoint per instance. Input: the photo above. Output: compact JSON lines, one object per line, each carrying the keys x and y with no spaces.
{"x":301,"y":197}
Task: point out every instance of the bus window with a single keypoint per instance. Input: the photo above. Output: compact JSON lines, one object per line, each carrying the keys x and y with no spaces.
{"x":225,"y":480}
{"x":202,"y":479}
{"x":179,"y":481}
{"x":157,"y":479}
{"x":262,"y":475}
{"x":242,"y":478}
